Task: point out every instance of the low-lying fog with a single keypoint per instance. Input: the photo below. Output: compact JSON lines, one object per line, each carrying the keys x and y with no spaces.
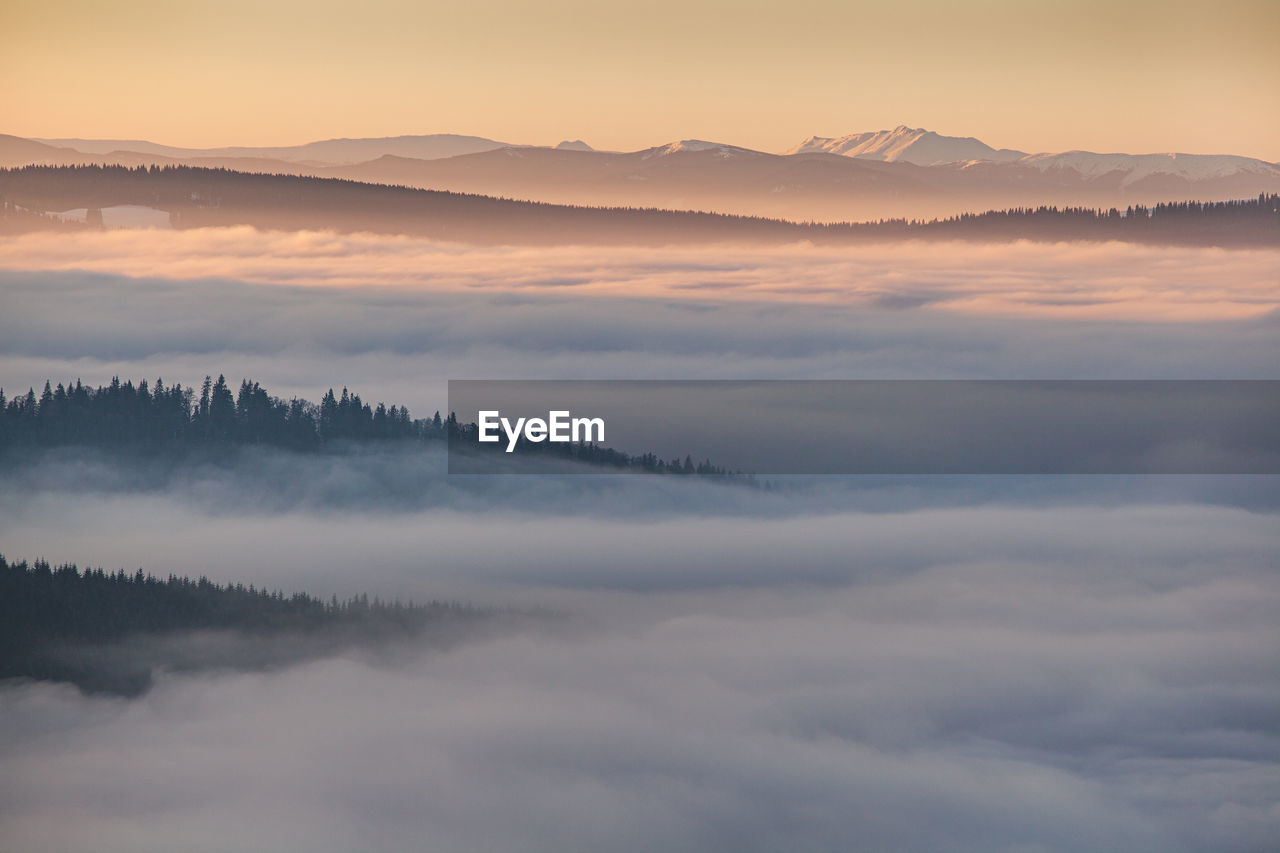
{"x":1093,"y":280}
{"x":399,"y":345}
{"x":1042,"y":675}
{"x":970,"y":664}
{"x":384,"y":522}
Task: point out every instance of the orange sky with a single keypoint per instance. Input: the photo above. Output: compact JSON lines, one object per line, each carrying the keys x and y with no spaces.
{"x":1137,"y":76}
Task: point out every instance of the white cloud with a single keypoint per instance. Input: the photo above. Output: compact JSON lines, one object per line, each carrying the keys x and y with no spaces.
{"x":987,"y":704}
{"x":1093,"y":280}
{"x":971,"y":665}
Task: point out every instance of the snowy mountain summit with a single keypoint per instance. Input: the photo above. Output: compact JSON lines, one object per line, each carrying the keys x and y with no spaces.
{"x":908,"y":144}
{"x":926,"y":148}
{"x":690,"y":145}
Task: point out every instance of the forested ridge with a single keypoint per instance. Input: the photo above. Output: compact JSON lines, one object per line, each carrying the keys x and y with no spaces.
{"x":38,"y":600}
{"x":106,"y":630}
{"x":123,"y":414}
{"x":196,"y":197}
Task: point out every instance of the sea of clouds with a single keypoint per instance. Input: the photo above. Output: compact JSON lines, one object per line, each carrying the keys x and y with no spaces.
{"x":969,"y":664}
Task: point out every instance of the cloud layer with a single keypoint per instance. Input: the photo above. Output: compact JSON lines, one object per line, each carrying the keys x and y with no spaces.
{"x":399,"y":344}
{"x":1021,"y":279}
{"x":967,"y":664}
{"x":994,"y":702}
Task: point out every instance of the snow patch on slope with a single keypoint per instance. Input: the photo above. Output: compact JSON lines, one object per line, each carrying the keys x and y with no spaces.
{"x":926,"y":148}
{"x":697,"y":145}
{"x":1192,"y":167}
{"x":907,"y":144}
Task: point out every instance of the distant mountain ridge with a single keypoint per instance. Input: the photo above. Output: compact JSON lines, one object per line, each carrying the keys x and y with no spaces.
{"x":330,"y":152}
{"x":926,"y":148}
{"x":901,"y":173}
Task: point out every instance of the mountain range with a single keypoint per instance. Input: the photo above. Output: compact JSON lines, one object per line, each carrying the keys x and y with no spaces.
{"x":904,"y":172}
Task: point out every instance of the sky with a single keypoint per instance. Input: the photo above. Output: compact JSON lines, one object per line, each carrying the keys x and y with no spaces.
{"x":1195,"y":77}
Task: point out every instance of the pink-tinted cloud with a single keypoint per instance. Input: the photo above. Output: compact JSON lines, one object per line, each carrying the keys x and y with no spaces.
{"x":1107,"y":280}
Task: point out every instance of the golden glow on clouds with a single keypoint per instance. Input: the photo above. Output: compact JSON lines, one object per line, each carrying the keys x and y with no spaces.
{"x":1200,"y":77}
{"x":1093,"y":280}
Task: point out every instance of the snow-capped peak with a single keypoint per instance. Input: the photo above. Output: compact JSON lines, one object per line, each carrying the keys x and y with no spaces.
{"x":696,"y":145}
{"x":907,"y":144}
{"x":926,"y":148}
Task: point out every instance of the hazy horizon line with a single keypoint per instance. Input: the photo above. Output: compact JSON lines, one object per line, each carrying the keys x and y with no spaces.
{"x":569,"y":138}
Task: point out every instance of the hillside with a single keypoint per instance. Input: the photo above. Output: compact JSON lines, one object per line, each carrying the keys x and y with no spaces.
{"x":195,"y":197}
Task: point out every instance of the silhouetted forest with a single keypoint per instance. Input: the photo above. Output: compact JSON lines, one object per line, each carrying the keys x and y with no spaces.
{"x":1249,"y":222}
{"x":107,"y":630}
{"x":196,"y":197}
{"x":123,"y":416}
